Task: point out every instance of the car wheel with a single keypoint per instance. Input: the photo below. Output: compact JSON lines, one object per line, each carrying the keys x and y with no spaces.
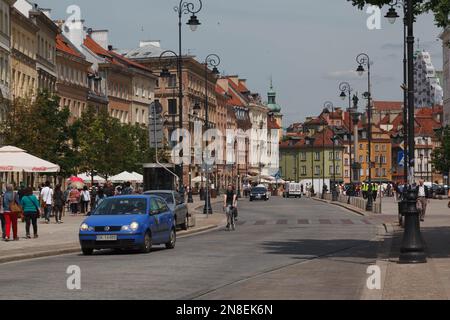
{"x":173,"y":240}
{"x":87,"y":251}
{"x":185,"y":225}
{"x":147,"y":245}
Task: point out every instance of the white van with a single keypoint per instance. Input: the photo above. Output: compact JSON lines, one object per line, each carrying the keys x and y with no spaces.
{"x":292,"y":189}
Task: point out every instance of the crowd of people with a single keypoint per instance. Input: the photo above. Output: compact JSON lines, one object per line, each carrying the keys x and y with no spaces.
{"x":50,"y":202}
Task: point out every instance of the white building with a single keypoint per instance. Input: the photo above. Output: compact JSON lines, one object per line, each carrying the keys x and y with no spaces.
{"x":445,"y":37}
{"x":428,"y":90}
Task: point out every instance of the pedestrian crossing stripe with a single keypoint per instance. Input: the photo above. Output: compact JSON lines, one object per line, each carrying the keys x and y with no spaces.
{"x":324,"y":222}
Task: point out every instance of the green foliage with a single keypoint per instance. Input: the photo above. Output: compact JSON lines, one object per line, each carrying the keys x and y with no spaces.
{"x":440,"y":8}
{"x":41,"y":128}
{"x":441,"y":155}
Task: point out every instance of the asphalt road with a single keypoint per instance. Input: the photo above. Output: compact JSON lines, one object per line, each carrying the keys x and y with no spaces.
{"x":282,"y":249}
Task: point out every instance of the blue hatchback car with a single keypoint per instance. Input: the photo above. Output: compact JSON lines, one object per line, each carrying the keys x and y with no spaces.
{"x":128,"y":222}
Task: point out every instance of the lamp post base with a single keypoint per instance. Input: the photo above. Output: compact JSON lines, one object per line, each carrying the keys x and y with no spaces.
{"x":190,"y":198}
{"x":335,"y":196}
{"x":369,"y":205}
{"x":207,"y":209}
{"x":412,"y":250}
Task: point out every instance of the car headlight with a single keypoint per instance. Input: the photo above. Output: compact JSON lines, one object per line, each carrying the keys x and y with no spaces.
{"x":84,"y":227}
{"x":134,"y":226}
{"x":125,"y":228}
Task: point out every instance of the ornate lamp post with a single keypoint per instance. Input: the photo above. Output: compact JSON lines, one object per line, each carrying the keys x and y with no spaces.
{"x":212,"y":61}
{"x":346,"y":92}
{"x":184,"y":8}
{"x":310,"y":141}
{"x":412,"y":249}
{"x":329,"y":105}
{"x":364,"y":60}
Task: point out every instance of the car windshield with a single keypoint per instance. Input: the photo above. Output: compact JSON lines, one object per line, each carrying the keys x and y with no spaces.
{"x":259,"y":190}
{"x":165,"y":195}
{"x":121,"y":206}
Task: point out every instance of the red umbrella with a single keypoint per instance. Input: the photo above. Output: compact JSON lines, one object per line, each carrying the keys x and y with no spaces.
{"x":75,"y":179}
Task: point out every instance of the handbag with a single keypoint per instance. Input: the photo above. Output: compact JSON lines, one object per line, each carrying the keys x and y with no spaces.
{"x":14,"y":207}
{"x":38,"y":211}
{"x":235,"y":212}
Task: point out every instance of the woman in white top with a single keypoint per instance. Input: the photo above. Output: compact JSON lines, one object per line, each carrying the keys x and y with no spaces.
{"x":85,"y":200}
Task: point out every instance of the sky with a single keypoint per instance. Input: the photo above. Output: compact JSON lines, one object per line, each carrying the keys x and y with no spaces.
{"x":306,"y":46}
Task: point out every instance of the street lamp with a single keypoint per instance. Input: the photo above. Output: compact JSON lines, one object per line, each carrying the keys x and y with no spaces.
{"x":213,"y":61}
{"x":346,"y":91}
{"x":323,"y":160}
{"x":421,"y":165}
{"x":184,"y":8}
{"x":392,"y":16}
{"x":329,"y":105}
{"x":364,"y":60}
{"x":355,"y":120}
{"x":310,"y":141}
{"x":412,"y":249}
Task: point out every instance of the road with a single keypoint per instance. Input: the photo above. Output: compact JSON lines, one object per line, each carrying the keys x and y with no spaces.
{"x":282,"y":249}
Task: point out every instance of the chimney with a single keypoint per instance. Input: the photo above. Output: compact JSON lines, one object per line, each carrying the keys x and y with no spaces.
{"x":101,"y":37}
{"x":155,"y":43}
{"x":74,"y":31}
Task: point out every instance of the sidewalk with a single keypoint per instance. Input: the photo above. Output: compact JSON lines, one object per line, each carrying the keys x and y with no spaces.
{"x":60,"y":239}
{"x":418,"y":281}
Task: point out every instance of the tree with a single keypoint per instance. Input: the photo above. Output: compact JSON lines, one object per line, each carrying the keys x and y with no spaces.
{"x":441,"y":155}
{"x":440,"y":8}
{"x":41,"y":128}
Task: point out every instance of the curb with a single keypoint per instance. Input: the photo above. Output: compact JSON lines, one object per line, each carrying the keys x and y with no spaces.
{"x":354,"y":210}
{"x":75,"y":249}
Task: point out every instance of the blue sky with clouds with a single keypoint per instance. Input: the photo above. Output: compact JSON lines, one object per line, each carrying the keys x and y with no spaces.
{"x":307,"y":46}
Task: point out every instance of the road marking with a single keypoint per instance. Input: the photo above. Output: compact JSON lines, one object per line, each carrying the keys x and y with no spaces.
{"x":325,"y":221}
{"x":260,"y":223}
{"x":303,"y":221}
{"x":282,"y":222}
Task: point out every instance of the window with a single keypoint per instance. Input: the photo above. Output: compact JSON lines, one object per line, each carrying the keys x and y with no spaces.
{"x":330,"y":156}
{"x":347,"y":174}
{"x":172,"y":106}
{"x":172,"y":81}
{"x":361,"y":159}
{"x":331,"y":170}
{"x":317,"y":156}
{"x":303,"y":171}
{"x":302,"y":156}
{"x":377,"y":148}
{"x":317,"y":171}
{"x":338,"y":169}
{"x":346,"y":162}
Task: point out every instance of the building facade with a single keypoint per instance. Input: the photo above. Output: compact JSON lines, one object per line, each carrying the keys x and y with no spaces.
{"x":445,"y":37}
{"x":428,"y":90}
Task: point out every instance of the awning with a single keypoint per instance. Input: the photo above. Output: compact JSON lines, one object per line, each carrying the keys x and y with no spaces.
{"x":13,"y":159}
{"x":124,"y":177}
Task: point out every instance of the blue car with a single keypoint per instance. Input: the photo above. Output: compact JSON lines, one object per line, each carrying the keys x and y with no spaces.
{"x":128,"y":222}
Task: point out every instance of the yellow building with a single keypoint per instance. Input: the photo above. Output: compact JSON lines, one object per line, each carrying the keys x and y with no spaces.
{"x":23,"y":55}
{"x":381,"y":157}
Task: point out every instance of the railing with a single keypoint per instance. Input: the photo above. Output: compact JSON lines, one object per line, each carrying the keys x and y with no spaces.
{"x":356,"y":202}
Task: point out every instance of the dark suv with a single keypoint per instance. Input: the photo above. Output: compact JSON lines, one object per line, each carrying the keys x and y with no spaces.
{"x":259,"y":193}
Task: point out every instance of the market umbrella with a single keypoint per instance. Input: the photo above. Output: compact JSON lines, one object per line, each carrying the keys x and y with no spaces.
{"x":124,"y":177}
{"x":76,"y":182}
{"x":13,"y":159}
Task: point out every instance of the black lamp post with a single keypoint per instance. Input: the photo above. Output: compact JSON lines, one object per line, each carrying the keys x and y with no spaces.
{"x":364,"y":60}
{"x":355,"y":120}
{"x":334,"y":194}
{"x":184,"y":8}
{"x":346,"y":91}
{"x":311,"y":141}
{"x":323,"y":162}
{"x":412,"y":249}
{"x":212,"y":61}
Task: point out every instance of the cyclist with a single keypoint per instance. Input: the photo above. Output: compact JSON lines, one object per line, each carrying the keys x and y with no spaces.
{"x":229,"y":203}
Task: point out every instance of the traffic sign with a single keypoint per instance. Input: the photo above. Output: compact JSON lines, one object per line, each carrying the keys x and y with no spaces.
{"x":155,"y":108}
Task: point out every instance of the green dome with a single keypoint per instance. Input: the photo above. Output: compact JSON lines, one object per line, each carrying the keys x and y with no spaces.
{"x":272,"y":104}
{"x":273,"y":107}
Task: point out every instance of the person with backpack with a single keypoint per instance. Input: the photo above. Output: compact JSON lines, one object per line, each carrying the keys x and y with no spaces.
{"x":58,"y":203}
{"x":74,"y":200}
{"x":12,"y":210}
{"x":229,"y":205}
{"x":31,"y":211}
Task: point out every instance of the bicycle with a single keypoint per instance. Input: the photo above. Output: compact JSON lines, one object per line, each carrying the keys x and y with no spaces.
{"x":231,"y":221}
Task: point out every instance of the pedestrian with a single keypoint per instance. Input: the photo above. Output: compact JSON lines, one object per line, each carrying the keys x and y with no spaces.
{"x":109,"y":189}
{"x":93,"y":195}
{"x":58,"y":203}
{"x":2,"y":218}
{"x":127,"y":190}
{"x":74,"y":200}
{"x":100,"y":197}
{"x":12,"y":210}
{"x":47,"y":200}
{"x":85,"y":200}
{"x":423,"y":195}
{"x":182,"y":193}
{"x":31,"y":211}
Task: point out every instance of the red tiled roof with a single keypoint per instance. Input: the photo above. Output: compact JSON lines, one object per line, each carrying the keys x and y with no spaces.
{"x":388,"y":105}
{"x":96,"y":48}
{"x":426,"y":126}
{"x":220,"y":90}
{"x":128,"y":62}
{"x":63,"y":45}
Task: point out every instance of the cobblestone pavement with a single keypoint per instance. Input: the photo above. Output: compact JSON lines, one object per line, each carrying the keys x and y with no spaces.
{"x":303,"y":250}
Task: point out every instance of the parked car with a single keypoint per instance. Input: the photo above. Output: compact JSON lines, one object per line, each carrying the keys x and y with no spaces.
{"x":176,"y":204}
{"x":259,"y":193}
{"x":128,"y":222}
{"x":439,"y":190}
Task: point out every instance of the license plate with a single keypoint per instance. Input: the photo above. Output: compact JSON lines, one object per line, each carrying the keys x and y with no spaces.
{"x":107,"y":238}
{"x":258,"y":196}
